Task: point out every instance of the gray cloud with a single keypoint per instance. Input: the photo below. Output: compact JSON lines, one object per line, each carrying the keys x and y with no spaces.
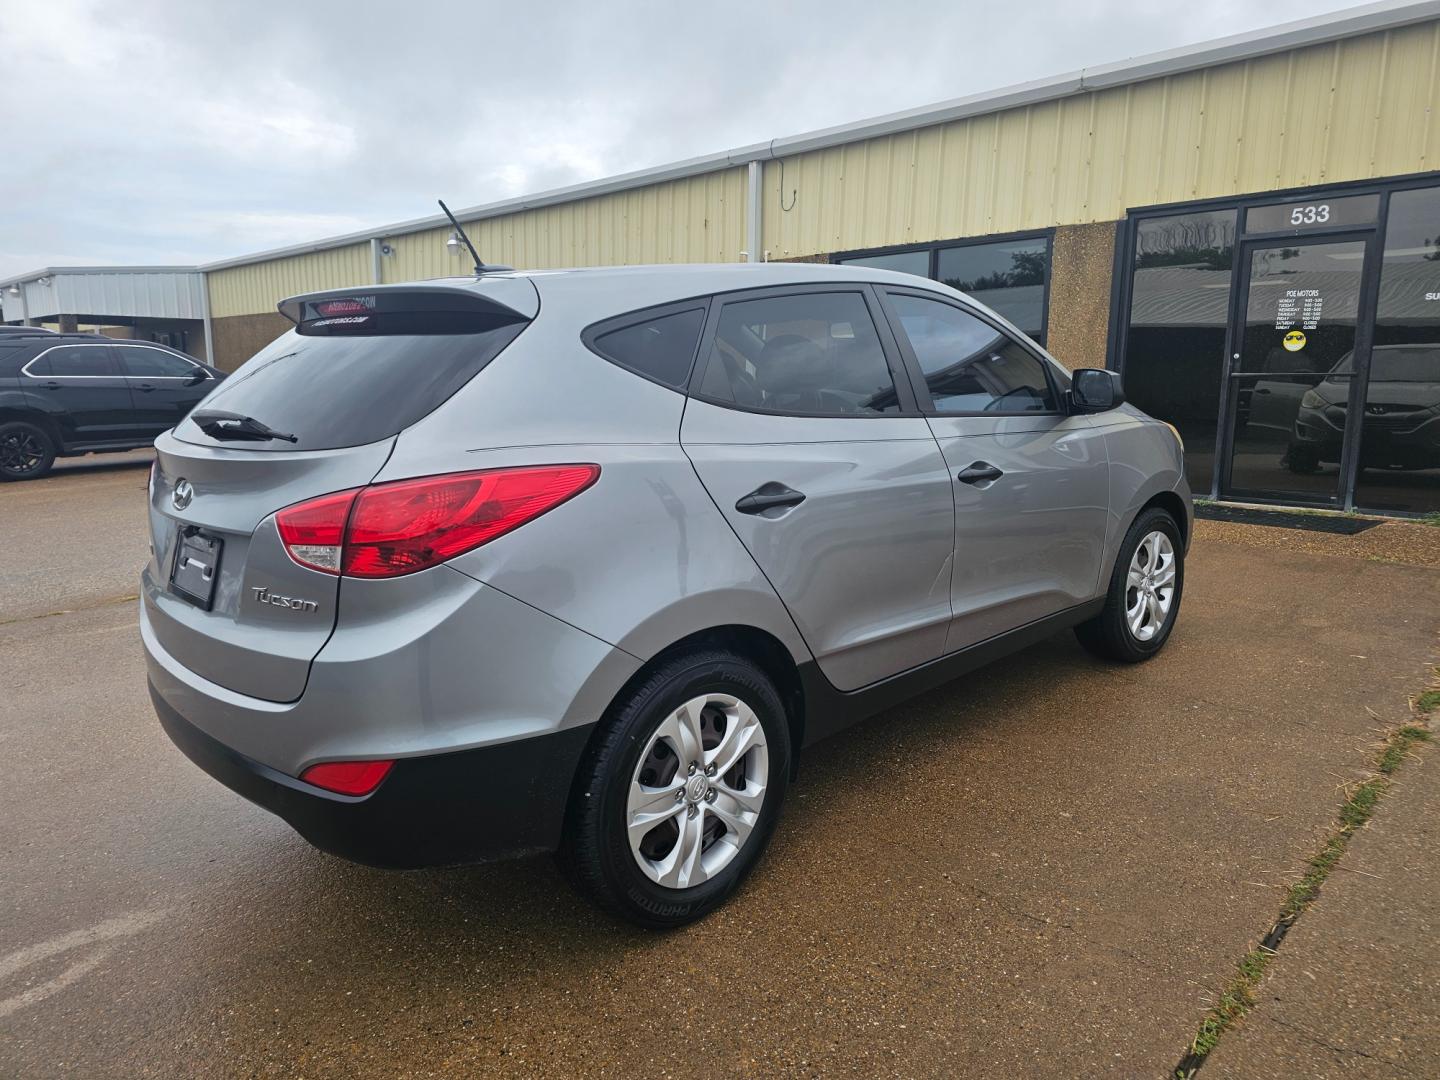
{"x":160,"y":131}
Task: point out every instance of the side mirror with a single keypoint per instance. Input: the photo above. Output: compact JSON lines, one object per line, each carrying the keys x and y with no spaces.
{"x":1094,"y":390}
{"x":196,"y":377}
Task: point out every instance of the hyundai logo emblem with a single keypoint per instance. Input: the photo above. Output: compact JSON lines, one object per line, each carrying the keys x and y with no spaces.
{"x":184,"y":492}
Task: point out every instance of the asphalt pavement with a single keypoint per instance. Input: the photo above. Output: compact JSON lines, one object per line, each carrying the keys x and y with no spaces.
{"x":1045,"y":869}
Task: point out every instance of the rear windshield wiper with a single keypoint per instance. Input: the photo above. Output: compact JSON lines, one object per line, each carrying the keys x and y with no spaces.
{"x":229,"y":425}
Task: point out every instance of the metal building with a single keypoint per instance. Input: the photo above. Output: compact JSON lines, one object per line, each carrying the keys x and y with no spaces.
{"x":1175,"y":216}
{"x":166,"y":304}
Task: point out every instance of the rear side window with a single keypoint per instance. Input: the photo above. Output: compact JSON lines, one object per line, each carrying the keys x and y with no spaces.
{"x":659,"y":345}
{"x":969,"y":366}
{"x":140,"y":361}
{"x":71,"y":360}
{"x":334,"y":391}
{"x":808,"y":354}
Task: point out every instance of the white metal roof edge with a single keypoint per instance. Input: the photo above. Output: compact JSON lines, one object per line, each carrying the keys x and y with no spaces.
{"x":52,"y":271}
{"x":1365,"y":19}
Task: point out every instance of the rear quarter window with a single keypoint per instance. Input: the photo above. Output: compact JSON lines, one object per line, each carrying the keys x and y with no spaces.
{"x":658,"y":343}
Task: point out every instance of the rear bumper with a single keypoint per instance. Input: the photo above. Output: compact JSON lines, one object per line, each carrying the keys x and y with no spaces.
{"x":469,"y":806}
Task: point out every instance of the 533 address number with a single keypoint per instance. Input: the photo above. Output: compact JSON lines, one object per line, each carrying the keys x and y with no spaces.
{"x":1310,"y":215}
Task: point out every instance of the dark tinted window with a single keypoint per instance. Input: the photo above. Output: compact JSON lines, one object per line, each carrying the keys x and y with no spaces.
{"x":969,"y":366}
{"x":137,"y":360}
{"x":1008,"y":277}
{"x":660,"y":348}
{"x":1179,"y":310}
{"x":1399,"y":452}
{"x":906,"y":262}
{"x":345,"y":391}
{"x":812,"y":353}
{"x":74,"y":360}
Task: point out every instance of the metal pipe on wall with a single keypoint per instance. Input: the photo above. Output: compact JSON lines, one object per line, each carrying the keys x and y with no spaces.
{"x":754,"y":203}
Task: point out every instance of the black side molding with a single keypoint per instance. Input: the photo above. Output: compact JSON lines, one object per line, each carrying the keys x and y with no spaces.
{"x":828,"y":710}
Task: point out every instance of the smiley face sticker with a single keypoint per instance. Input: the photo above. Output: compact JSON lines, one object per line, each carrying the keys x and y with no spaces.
{"x":1294,"y":341}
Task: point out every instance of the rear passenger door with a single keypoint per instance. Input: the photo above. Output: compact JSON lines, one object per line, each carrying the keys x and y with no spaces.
{"x":163,"y":385}
{"x":811,"y":447}
{"x":81,"y":389}
{"x":1031,"y":483}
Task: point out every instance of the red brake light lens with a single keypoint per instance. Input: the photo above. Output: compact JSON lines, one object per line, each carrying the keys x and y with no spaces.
{"x":314,"y":532}
{"x":347,"y":777}
{"x":357,"y":305}
{"x":409,"y":525}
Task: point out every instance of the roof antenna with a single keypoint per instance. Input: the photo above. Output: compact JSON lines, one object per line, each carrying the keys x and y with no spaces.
{"x":479,"y":266}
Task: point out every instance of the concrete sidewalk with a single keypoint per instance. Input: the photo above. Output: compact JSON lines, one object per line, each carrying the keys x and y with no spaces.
{"x":1355,"y":989}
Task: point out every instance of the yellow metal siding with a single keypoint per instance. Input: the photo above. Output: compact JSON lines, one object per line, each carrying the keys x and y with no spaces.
{"x":257,"y":287}
{"x":698,"y":219}
{"x":1350,"y":110}
{"x":1353,"y":109}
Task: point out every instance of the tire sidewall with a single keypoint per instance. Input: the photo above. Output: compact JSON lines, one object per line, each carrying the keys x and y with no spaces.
{"x":654,"y":903}
{"x":47,"y":460}
{"x":1154,"y":520}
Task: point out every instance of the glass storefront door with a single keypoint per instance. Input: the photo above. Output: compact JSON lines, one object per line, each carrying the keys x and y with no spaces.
{"x":1296,"y":355}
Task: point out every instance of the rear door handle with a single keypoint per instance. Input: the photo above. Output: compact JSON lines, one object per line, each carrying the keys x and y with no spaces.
{"x":771,"y":496}
{"x":145,"y":387}
{"x":978,"y":473}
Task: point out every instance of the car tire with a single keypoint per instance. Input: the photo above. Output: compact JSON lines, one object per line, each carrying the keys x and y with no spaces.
{"x":1137,"y":618}
{"x":689,"y":860}
{"x":26,"y":451}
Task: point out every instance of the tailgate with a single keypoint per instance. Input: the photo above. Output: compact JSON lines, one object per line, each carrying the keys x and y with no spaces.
{"x":268,"y":616}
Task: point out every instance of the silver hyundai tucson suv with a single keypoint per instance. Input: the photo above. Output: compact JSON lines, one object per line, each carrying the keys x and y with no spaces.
{"x":582,"y":560}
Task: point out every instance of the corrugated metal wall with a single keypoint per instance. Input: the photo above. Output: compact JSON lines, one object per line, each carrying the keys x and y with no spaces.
{"x":1358,"y":108}
{"x":162,"y":295}
{"x":699,"y":219}
{"x":257,"y":287}
{"x":154,"y":294}
{"x":1355,"y":109}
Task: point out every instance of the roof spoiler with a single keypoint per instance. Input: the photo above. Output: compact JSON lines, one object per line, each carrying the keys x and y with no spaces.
{"x":382,"y":310}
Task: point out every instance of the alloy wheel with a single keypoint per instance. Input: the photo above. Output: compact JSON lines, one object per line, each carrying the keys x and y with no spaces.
{"x":1150,"y":586}
{"x":20,"y":453}
{"x":697,"y":792}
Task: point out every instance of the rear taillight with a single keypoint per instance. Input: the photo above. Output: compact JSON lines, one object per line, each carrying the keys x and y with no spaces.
{"x":314,"y":532}
{"x":348,"y":777}
{"x":409,"y":525}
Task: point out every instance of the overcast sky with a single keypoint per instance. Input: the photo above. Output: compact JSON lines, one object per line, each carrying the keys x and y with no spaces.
{"x":179,"y":131}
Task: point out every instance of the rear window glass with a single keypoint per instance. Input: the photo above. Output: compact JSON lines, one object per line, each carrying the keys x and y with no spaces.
{"x":331,"y":392}
{"x":661,"y":347}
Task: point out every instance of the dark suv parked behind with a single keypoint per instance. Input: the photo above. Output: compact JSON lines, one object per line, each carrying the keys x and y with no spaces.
{"x":68,"y":394}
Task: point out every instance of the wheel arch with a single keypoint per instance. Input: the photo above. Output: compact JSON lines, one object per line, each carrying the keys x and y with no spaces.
{"x":11,"y":413}
{"x":761,"y":647}
{"x":1172,"y":504}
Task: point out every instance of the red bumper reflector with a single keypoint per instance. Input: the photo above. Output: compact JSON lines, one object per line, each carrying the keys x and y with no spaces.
{"x":347,"y":777}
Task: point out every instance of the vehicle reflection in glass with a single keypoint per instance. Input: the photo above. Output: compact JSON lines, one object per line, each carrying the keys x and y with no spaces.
{"x":1402,"y":411}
